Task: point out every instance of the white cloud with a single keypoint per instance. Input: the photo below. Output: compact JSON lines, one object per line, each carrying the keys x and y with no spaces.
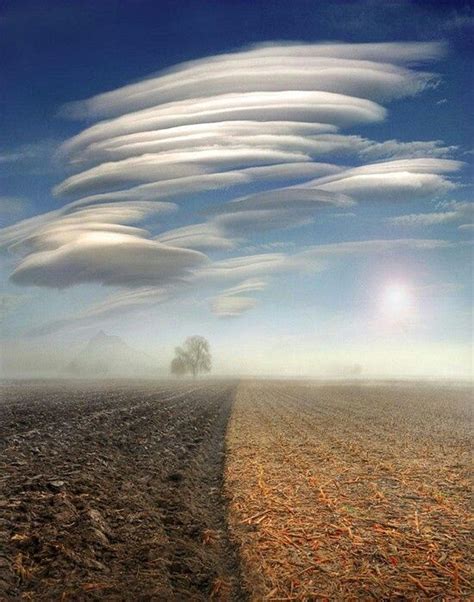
{"x":114,"y":305}
{"x":364,"y":148}
{"x":12,"y":208}
{"x":242,"y":222}
{"x":92,"y":244}
{"x":246,"y":119}
{"x":392,"y":180}
{"x":228,"y":306}
{"x":291,"y":197}
{"x":241,"y":268}
{"x":110,"y":258}
{"x":288,"y":105}
{"x":423,"y":219}
{"x":9,"y":302}
{"x":15,"y":233}
{"x":274,"y":98}
{"x":314,"y":139}
{"x":173,"y":165}
{"x":250,"y":273}
{"x":365,"y":70}
{"x":314,"y":257}
{"x":204,"y":237}
{"x":466,"y":207}
{"x":36,"y":230}
{"x":185,"y":186}
{"x":459,"y":211}
{"x":232,"y":302}
{"x":394,"y":149}
{"x":246,"y":286}
{"x":26,"y":153}
{"x":200,"y":135}
{"x":365,"y":247}
{"x":275,"y":209}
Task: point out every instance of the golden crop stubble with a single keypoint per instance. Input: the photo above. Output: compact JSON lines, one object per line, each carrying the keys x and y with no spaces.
{"x":335,"y":491}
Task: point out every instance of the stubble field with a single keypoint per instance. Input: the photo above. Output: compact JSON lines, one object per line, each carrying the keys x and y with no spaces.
{"x":220,"y":490}
{"x":351,"y":492}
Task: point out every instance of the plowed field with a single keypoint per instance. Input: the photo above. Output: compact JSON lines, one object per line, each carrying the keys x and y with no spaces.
{"x":114,"y":492}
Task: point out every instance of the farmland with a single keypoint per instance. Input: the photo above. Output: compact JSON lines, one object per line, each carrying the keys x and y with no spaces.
{"x":113,"y":492}
{"x":351,"y":492}
{"x":220,"y":490}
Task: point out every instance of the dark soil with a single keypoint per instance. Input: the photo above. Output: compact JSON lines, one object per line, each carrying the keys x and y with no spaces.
{"x":114,"y":492}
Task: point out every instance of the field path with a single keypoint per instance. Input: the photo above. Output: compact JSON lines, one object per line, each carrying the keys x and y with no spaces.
{"x":351,"y":492}
{"x":114,"y":492}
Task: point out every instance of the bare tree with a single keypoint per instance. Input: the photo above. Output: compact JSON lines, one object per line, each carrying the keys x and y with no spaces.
{"x":194,"y":357}
{"x":178,"y":366}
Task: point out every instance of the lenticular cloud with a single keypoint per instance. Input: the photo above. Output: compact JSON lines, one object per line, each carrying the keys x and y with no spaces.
{"x":273,"y":116}
{"x":373,"y":71}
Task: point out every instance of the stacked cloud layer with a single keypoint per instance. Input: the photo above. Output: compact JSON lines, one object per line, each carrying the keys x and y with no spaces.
{"x":270,"y":118}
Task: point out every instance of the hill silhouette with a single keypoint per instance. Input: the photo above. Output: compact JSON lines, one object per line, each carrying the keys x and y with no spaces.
{"x":109,"y":355}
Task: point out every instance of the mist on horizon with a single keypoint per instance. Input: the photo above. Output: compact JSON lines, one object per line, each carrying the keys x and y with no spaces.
{"x":116,"y":358}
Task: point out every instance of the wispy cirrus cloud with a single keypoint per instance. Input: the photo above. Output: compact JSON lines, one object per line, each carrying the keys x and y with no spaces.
{"x":240,"y":276}
{"x":228,"y":306}
{"x":37,"y":157}
{"x":241,"y":268}
{"x":233,"y":301}
{"x":246,"y":286}
{"x":457,"y":211}
{"x":204,"y":237}
{"x":9,"y":302}
{"x":369,"y":247}
{"x":12,"y":208}
{"x":115,"y":305}
{"x":276,"y":209}
{"x":27,"y":152}
{"x":423,"y":219}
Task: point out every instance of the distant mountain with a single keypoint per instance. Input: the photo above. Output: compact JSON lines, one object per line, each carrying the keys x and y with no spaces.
{"x":108,"y":355}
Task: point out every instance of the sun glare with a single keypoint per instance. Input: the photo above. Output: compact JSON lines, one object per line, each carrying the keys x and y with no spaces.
{"x":396,"y":300}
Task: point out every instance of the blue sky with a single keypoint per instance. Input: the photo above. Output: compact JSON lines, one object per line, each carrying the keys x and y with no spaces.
{"x":350,"y":241}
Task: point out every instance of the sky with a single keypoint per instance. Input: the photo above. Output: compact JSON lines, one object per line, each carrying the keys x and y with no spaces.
{"x":290,"y":180}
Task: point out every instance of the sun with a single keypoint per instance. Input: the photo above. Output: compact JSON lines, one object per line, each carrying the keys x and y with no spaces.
{"x":396,"y":300}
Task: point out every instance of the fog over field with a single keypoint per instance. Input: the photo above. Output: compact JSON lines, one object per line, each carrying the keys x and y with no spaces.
{"x":272,"y":360}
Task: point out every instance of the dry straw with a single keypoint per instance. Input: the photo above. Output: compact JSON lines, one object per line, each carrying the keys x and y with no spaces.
{"x":351,"y":492}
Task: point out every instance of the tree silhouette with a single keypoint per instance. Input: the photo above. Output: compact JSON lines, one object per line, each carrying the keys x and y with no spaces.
{"x":178,"y":366}
{"x":194,"y":357}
